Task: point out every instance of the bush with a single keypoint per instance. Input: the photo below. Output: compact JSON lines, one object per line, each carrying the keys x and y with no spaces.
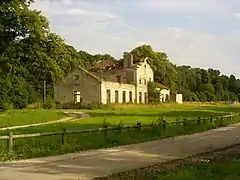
{"x":153,"y":94}
{"x":71,"y":105}
{"x":50,"y":104}
{"x":3,"y":107}
{"x":58,"y":105}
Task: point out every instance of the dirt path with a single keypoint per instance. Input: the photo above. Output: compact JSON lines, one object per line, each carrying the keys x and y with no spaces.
{"x":73,"y":117}
{"x":97,"y":163}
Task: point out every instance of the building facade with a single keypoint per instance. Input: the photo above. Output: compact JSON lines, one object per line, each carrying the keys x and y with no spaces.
{"x":108,"y":82}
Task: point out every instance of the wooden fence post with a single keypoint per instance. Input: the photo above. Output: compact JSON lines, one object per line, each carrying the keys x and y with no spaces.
{"x":10,"y":142}
{"x":105,"y":130}
{"x":199,"y":120}
{"x":231,"y":117}
{"x":211,"y":119}
{"x":164,"y":124}
{"x":63,"y":136}
{"x":184,"y":122}
{"x":139,"y":124}
{"x":221,"y":120}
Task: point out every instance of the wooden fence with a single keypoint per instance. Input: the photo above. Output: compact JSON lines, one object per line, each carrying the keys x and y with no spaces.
{"x":11,"y":137}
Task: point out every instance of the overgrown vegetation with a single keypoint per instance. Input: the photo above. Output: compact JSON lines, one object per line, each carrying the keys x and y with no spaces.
{"x":31,"y":54}
{"x":153,"y":93}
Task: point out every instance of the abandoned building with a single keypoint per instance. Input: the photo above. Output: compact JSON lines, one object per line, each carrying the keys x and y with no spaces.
{"x":109,"y":82}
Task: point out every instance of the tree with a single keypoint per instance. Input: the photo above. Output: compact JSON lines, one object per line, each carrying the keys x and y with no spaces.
{"x":164,"y":71}
{"x":153,"y":93}
{"x":29,"y":54}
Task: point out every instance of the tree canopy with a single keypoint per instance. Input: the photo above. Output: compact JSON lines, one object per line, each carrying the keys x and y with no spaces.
{"x":31,"y":54}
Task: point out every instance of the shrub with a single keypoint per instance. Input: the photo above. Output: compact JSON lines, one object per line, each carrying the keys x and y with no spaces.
{"x":58,"y":105}
{"x":50,"y":104}
{"x":153,"y":94}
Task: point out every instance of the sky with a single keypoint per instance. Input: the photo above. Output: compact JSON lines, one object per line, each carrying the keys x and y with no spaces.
{"x":200,"y":33}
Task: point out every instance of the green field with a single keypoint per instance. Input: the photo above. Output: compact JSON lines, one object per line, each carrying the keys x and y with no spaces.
{"x":128,"y":114}
{"x":28,"y":116}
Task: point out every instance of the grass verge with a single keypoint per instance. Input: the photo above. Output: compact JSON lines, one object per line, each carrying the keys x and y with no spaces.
{"x":48,"y":146}
{"x":218,"y":165}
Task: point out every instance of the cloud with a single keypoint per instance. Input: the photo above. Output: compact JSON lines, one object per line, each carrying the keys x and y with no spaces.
{"x":237,"y":14}
{"x":203,"y":7}
{"x":112,"y":28}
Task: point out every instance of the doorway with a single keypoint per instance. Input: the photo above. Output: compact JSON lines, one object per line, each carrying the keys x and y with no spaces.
{"x":77,"y":96}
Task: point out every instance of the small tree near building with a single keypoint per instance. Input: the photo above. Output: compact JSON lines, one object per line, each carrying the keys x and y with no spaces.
{"x":153,"y":93}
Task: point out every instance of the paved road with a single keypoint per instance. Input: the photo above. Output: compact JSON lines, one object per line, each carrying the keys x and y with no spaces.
{"x":96,"y":163}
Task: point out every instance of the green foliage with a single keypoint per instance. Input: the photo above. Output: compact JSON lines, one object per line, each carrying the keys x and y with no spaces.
{"x":153,"y":93}
{"x":30,"y":54}
{"x":71,"y":105}
{"x":50,"y":104}
{"x":207,"y":85}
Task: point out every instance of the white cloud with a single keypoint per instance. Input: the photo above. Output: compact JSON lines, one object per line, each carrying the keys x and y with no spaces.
{"x":203,"y":7}
{"x":237,"y":14}
{"x":97,"y":30}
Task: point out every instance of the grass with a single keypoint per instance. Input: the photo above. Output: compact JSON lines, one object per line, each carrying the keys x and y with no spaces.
{"x":205,"y":171}
{"x":128,"y":114}
{"x":218,"y":165}
{"x":28,"y":116}
{"x":48,"y":146}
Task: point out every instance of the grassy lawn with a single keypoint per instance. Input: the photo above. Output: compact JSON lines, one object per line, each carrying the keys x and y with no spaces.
{"x":221,"y":165}
{"x":28,"y":116}
{"x":128,"y":114}
{"x":131,"y":114}
{"x":48,"y":146}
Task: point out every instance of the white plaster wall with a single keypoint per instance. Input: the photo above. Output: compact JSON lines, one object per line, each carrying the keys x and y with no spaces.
{"x":113,"y":86}
{"x":179,"y":98}
{"x":143,"y":89}
{"x":144,"y":71}
{"x":164,"y":93}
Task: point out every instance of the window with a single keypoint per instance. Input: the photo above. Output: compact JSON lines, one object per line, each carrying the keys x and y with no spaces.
{"x":108,"y":96}
{"x":124,"y":96}
{"x":140,"y":97}
{"x":77,"y":96}
{"x":145,"y":97}
{"x":130,"y":96}
{"x":150,"y":79}
{"x":145,"y":66}
{"x":116,"y":97}
{"x":140,"y":81}
{"x":76,"y":76}
{"x":145,"y":81}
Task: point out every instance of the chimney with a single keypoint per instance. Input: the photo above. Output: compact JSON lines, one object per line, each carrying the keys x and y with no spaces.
{"x":119,"y":79}
{"x":131,"y":61}
{"x":128,"y":60}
